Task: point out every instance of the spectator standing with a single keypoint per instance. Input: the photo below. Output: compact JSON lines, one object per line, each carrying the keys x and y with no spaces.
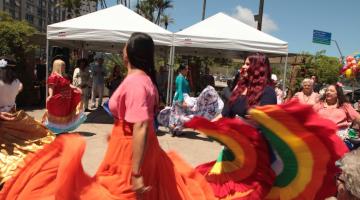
{"x":98,"y":73}
{"x":307,"y":95}
{"x":226,"y":92}
{"x":82,"y":80}
{"x":162,"y":81}
{"x":114,"y":80}
{"x":207,"y":79}
{"x":317,"y":85}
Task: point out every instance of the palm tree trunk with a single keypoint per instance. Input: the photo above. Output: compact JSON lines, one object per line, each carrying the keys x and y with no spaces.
{"x":157,"y":21}
{"x":203,"y":9}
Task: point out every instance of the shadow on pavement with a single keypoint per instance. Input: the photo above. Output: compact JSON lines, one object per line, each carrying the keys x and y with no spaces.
{"x":85,"y":134}
{"x":29,"y":108}
{"x":161,"y":133}
{"x":194,"y":135}
{"x":99,"y":116}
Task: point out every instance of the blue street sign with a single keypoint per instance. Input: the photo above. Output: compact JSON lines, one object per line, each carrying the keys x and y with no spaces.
{"x":321,"y":37}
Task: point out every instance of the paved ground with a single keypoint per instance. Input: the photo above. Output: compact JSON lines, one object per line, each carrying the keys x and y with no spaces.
{"x":194,"y":148}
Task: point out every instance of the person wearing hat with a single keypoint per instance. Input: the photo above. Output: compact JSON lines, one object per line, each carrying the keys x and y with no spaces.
{"x":10,"y":85}
{"x":98,"y":73}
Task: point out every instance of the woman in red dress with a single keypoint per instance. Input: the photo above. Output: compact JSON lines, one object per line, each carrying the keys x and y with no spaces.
{"x":134,"y":167}
{"x":65,"y":111}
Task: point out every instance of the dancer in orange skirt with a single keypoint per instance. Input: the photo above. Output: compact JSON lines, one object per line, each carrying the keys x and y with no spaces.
{"x":134,"y":167}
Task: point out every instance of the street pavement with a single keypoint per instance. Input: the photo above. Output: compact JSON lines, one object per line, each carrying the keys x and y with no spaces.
{"x":192,"y":147}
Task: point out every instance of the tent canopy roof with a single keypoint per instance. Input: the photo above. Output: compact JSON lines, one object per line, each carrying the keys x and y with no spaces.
{"x":111,"y":25}
{"x":221,"y":31}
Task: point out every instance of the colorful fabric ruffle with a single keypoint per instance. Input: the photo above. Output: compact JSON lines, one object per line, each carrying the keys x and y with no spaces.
{"x":66,"y":123}
{"x":306,"y":149}
{"x":242,"y":170}
{"x":56,"y":172}
{"x":18,"y":138}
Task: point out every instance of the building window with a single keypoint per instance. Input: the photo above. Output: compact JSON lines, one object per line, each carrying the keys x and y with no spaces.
{"x":29,"y":18}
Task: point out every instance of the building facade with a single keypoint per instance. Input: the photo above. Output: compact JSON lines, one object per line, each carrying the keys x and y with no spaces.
{"x":40,"y":13}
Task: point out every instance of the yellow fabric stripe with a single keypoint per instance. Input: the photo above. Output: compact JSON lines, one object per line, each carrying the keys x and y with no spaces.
{"x":303,"y":154}
{"x":225,"y":166}
{"x":233,"y":145}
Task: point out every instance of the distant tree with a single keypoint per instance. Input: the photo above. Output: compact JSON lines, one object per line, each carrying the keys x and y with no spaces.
{"x":324,"y":67}
{"x":166,"y":20}
{"x":15,"y":42}
{"x":153,"y":10}
{"x":161,"y":6}
{"x":68,"y":5}
{"x":15,"y":36}
{"x":146,"y":9}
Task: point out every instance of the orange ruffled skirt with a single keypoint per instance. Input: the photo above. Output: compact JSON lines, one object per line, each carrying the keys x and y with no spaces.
{"x":55,"y":172}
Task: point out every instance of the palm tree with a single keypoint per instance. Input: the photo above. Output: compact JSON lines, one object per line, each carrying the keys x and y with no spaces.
{"x":102,"y":3}
{"x":126,"y":3}
{"x":166,"y":20}
{"x":77,"y":5}
{"x":146,"y":9}
{"x":151,"y":8}
{"x":161,"y":6}
{"x":68,"y":6}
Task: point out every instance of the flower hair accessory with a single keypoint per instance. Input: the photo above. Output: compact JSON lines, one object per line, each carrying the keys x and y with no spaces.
{"x":339,"y":84}
{"x":3,"y":63}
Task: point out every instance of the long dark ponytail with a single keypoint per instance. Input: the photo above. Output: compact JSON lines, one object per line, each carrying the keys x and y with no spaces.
{"x":140,"y":50}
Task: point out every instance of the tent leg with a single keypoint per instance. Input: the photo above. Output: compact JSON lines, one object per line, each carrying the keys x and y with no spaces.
{"x":171,"y":74}
{"x":168,"y":81}
{"x":285,"y":68}
{"x":47,"y":69}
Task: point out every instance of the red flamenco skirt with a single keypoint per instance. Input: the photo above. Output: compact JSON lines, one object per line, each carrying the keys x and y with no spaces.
{"x":65,"y":111}
{"x":56,"y":172}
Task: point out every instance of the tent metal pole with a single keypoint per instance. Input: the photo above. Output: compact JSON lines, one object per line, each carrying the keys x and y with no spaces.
{"x":285,"y":68}
{"x":47,"y":68}
{"x":168,"y":81}
{"x":171,"y":74}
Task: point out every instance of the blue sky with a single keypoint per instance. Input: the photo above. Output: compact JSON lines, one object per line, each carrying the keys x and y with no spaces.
{"x":289,"y":20}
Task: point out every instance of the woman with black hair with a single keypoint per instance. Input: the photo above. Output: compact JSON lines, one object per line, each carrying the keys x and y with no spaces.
{"x":179,"y":106}
{"x":10,"y":85}
{"x":335,"y":107}
{"x":134,"y":167}
{"x":208,"y":104}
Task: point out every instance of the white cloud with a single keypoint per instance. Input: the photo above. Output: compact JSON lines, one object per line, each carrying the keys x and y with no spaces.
{"x":247,"y":16}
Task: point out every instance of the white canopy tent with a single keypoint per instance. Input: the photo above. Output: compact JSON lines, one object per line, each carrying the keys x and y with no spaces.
{"x":223,"y":36}
{"x":113,"y":25}
{"x":104,"y":30}
{"x":221,"y":31}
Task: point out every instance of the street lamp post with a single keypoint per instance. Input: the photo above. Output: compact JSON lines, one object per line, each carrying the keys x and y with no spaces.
{"x":203,"y":10}
{"x":259,"y":16}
